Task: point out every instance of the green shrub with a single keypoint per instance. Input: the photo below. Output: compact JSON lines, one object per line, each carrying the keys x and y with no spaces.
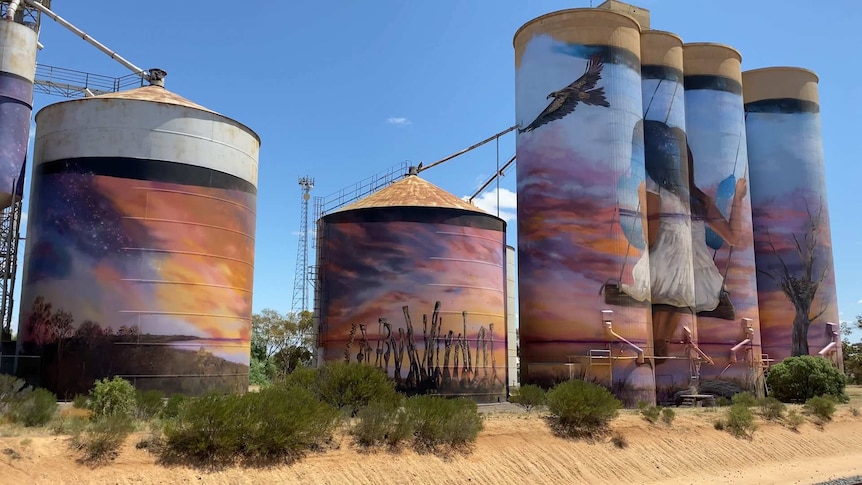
{"x":388,"y":422}
{"x":79,"y":402}
{"x":797,"y":379}
{"x":34,"y":408}
{"x":350,"y":387}
{"x":722,"y":402}
{"x":530,"y":396}
{"x":260,"y":372}
{"x":274,"y":425}
{"x":854,"y":412}
{"x":718,"y":424}
{"x":771,"y":408}
{"x":651,"y":413}
{"x":10,"y":386}
{"x":303,"y":377}
{"x":112,"y":397}
{"x":149,"y":404}
{"x":443,"y":422}
{"x":102,"y":439}
{"x":746,"y":399}
{"x":581,"y":408}
{"x":740,"y":421}
{"x":821,"y":407}
{"x":794,"y":419}
{"x":668,"y":415}
{"x":173,"y":406}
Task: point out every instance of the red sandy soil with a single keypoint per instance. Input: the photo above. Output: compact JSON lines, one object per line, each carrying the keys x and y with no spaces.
{"x":514,"y":448}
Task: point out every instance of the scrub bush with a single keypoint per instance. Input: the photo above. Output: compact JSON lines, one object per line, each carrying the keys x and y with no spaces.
{"x":581,"y":408}
{"x":274,"y":425}
{"x":740,"y":421}
{"x":771,"y":408}
{"x":746,"y":399}
{"x":530,"y":396}
{"x":384,"y":422}
{"x":149,"y":404}
{"x":821,"y":407}
{"x":35,"y":408}
{"x":441,"y":422}
{"x":797,"y":379}
{"x":101,"y":439}
{"x":111,"y":397}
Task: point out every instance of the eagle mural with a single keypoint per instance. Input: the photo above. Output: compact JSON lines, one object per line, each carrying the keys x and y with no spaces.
{"x":581,"y":91}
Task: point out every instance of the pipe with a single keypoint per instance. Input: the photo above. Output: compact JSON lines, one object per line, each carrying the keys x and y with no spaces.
{"x":735,"y":349}
{"x":634,"y":347}
{"x":60,"y":20}
{"x":829,"y":348}
{"x":11,"y":9}
{"x":496,"y":174}
{"x":690,"y":341}
{"x":477,"y":145}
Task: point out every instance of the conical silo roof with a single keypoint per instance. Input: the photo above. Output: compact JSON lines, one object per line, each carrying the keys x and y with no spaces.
{"x":156,"y":94}
{"x":412,"y":191}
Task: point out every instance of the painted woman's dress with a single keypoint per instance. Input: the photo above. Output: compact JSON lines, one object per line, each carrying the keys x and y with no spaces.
{"x":666,"y":266}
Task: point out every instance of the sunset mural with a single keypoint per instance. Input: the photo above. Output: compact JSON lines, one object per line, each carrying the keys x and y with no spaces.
{"x":722,"y":229}
{"x":581,"y":207}
{"x":419,"y":292}
{"x":156,"y":274}
{"x":16,"y":98}
{"x":796,"y":281}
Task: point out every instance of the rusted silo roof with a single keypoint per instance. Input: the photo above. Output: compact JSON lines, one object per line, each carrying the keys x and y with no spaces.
{"x":155,"y":94}
{"x":412,"y":191}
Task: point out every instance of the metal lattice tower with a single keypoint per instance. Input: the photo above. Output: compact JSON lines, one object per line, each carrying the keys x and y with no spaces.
{"x":300,"y":283}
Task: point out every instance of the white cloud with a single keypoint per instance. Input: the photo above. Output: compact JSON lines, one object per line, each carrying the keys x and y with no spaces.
{"x":487,"y":201}
{"x":859,"y":302}
{"x":398,"y":121}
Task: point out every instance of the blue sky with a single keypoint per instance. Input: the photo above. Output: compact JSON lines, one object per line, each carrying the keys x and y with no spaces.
{"x":340,"y":90}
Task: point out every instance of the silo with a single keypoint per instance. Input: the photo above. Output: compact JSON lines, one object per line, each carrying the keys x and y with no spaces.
{"x":511,"y":318}
{"x":668,"y":211}
{"x":140,"y":244}
{"x":796,"y":280}
{"x":583,"y":276}
{"x":412,"y":280}
{"x":722,"y":240}
{"x":17,"y":71}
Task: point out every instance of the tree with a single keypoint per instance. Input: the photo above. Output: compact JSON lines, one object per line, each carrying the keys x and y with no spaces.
{"x":284,"y":340}
{"x":852,"y":353}
{"x":800,"y":282}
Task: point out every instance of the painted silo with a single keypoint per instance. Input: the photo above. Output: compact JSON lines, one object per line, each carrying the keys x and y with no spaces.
{"x":581,"y":224}
{"x":412,"y":280}
{"x":17,"y":71}
{"x":791,"y":217}
{"x":722,"y":240}
{"x":140,"y":244}
{"x":668,"y":211}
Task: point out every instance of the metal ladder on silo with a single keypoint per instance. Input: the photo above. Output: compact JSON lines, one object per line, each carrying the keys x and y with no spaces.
{"x":602,"y":358}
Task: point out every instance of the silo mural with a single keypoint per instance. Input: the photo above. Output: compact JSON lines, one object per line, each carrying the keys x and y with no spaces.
{"x":722,"y":239}
{"x":412,"y":280}
{"x":672,"y":278}
{"x":140,"y":245}
{"x":17,"y":70}
{"x":796,"y":281}
{"x":581,"y":205}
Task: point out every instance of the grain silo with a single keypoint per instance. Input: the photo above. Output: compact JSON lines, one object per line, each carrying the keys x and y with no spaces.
{"x":511,"y":319}
{"x":674,"y":327}
{"x":583,"y":275}
{"x":412,"y":280}
{"x":140,"y":244}
{"x":17,"y":71}
{"x":725,"y":279}
{"x":793,"y":246}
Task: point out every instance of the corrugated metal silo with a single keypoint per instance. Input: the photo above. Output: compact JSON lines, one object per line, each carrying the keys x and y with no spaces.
{"x":140,"y":244}
{"x":581,"y":241}
{"x":722,"y":240}
{"x":17,"y":71}
{"x":668,"y":210}
{"x":793,"y":244}
{"x":412,"y":280}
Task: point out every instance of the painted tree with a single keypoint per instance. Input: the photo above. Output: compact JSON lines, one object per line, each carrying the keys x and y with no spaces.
{"x":62,"y":326}
{"x":801,"y":281}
